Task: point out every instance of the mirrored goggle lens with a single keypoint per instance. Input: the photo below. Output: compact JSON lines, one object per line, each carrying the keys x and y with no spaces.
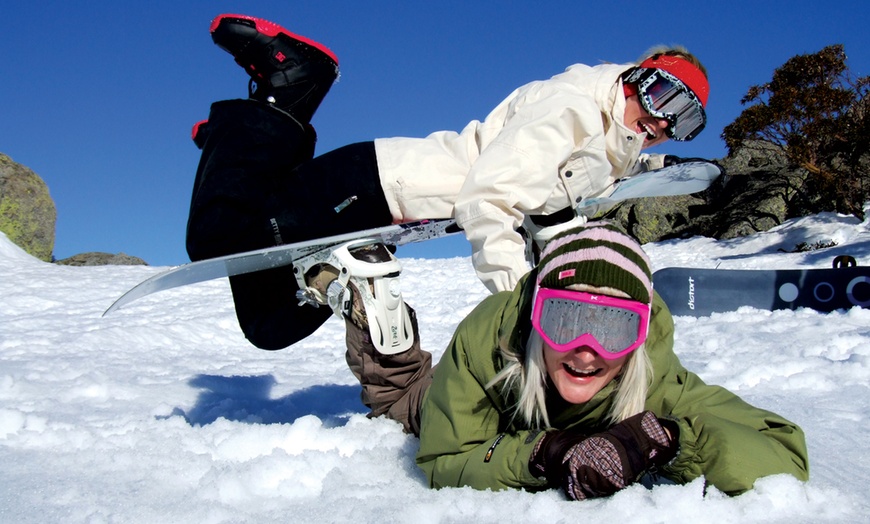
{"x":563,"y":321}
{"x":664,"y":96}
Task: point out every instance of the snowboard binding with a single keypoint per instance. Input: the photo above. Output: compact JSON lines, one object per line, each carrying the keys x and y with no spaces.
{"x":537,"y":235}
{"x":365,"y":288}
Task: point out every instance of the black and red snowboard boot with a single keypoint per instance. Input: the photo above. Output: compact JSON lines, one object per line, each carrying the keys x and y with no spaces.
{"x":289,"y":71}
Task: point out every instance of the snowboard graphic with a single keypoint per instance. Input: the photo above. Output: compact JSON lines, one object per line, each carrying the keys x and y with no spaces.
{"x":678,"y":179}
{"x":685,"y":178}
{"x":700,"y":292}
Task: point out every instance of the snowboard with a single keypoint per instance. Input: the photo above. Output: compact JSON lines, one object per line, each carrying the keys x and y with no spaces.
{"x":278,"y":256}
{"x":701,"y":292}
{"x":679,"y":179}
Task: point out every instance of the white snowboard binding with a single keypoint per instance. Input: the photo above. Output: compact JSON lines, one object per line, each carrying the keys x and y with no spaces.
{"x":536,"y":237}
{"x":368,"y":268}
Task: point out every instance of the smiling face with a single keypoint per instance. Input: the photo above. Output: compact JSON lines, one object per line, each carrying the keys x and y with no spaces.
{"x":580,"y":373}
{"x":637,"y":119}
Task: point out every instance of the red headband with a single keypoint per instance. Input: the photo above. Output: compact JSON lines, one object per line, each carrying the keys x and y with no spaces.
{"x":685,"y":71}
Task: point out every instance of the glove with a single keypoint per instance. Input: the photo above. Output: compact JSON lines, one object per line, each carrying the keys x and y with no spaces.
{"x":601,"y":464}
{"x":671,"y":160}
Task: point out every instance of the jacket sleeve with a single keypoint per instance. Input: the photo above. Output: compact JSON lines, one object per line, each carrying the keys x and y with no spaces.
{"x":517,"y":172}
{"x":461,"y":443}
{"x":723,"y":438}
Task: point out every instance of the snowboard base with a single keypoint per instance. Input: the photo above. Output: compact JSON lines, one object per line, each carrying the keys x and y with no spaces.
{"x":700,"y":292}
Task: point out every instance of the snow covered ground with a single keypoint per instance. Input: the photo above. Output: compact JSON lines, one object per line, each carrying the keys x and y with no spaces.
{"x":162,"y":412}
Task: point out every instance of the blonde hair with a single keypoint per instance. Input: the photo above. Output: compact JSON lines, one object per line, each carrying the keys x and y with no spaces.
{"x":673,"y":50}
{"x":524,"y":376}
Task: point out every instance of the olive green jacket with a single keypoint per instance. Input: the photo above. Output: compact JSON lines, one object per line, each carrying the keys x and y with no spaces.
{"x":468,"y":436}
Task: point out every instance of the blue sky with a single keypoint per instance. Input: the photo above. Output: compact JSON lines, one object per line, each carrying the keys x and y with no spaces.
{"x":99,"y":97}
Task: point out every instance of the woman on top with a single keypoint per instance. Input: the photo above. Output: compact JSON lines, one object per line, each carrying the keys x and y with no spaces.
{"x":529,"y":163}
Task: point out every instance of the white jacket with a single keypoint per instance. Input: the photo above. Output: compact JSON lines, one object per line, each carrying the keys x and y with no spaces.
{"x":545,"y":147}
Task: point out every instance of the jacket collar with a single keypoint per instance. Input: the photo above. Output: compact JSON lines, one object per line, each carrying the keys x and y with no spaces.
{"x":623,"y":144}
{"x":604,"y":83}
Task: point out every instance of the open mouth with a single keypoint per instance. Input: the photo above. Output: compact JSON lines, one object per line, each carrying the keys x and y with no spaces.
{"x":650,"y":131}
{"x":580,"y":373}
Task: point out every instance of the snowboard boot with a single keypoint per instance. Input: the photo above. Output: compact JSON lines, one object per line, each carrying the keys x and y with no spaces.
{"x":287,"y":70}
{"x":325,"y":285}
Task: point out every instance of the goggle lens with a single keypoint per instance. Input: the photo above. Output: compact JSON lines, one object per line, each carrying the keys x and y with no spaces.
{"x":569,"y":319}
{"x":663,"y":95}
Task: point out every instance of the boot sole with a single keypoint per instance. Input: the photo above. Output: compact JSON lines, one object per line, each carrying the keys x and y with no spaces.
{"x":271,"y":29}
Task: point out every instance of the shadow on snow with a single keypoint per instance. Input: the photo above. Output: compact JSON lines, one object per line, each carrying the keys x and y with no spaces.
{"x":248,"y":399}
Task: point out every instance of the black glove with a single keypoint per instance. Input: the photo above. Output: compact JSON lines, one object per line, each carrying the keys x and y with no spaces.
{"x":604,"y":463}
{"x":671,"y":160}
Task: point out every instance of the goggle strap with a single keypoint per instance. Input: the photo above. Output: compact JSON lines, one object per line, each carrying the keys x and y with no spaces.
{"x":685,"y":71}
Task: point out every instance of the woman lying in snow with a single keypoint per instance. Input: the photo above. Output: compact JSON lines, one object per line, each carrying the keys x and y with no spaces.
{"x":571,"y":381}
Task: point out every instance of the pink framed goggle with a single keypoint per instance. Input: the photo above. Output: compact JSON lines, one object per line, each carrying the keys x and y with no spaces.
{"x":612,"y":327}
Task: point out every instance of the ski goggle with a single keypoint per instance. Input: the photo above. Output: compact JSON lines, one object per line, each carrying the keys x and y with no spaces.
{"x":665,"y":96}
{"x":612,"y":327}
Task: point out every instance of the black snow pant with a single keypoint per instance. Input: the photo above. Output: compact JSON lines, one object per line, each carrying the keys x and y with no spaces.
{"x":257,"y":185}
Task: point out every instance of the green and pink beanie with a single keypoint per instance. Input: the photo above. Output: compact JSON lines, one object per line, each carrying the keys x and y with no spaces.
{"x":598,"y":254}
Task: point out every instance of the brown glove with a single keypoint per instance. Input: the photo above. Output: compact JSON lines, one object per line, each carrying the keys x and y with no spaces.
{"x":601,"y":464}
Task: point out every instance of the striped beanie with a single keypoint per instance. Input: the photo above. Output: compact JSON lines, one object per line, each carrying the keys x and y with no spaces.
{"x":598,"y":254}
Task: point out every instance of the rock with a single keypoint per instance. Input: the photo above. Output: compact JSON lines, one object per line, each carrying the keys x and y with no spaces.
{"x":755,"y":195}
{"x":102,"y":259}
{"x":652,"y":219}
{"x":27,"y":212}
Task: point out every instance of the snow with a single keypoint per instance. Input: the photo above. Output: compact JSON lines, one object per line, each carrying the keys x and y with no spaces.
{"x":162,"y":412}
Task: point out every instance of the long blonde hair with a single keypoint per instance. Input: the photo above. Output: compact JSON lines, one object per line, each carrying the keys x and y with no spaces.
{"x":524,"y":377}
{"x":597,"y":258}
